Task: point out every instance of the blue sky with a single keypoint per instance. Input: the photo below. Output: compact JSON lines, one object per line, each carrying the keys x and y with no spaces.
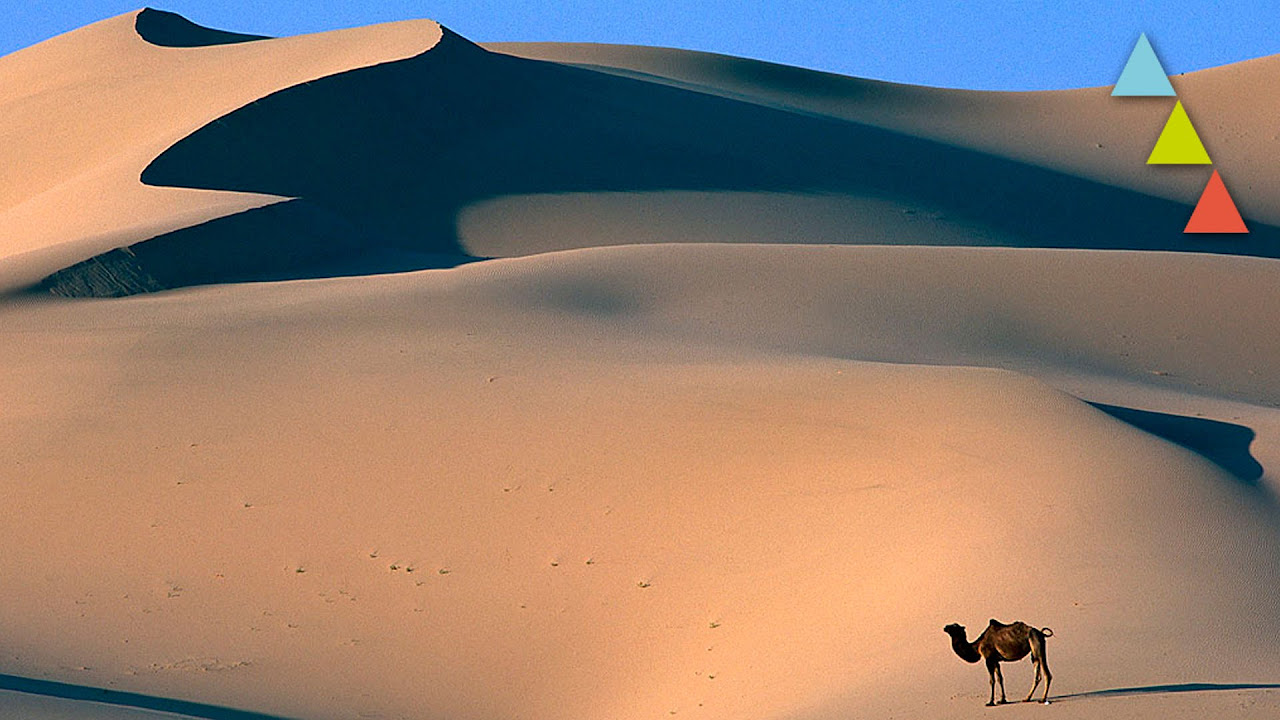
{"x":982,"y":44}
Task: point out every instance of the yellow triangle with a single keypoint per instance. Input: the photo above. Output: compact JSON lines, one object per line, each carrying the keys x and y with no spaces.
{"x":1179,"y":144}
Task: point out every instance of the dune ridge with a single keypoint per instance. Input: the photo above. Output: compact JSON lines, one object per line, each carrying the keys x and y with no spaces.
{"x":839,"y":153}
{"x":1082,"y":132}
{"x":618,"y":383}
{"x":167,"y":29}
{"x":90,"y":109}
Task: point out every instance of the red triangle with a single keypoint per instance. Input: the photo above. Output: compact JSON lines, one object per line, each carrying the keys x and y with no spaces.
{"x":1216,"y":212}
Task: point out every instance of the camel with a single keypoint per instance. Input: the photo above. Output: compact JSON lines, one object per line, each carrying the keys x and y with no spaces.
{"x":1004,"y":643}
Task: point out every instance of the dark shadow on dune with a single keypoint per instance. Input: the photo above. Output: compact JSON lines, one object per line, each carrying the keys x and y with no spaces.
{"x":172,"y":30}
{"x":65,"y":691}
{"x":387,"y":156}
{"x":1224,"y":444}
{"x":1168,"y":689}
{"x":290,"y":240}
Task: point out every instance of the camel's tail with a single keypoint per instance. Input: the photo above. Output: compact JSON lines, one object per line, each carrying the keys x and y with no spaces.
{"x":1046,"y":632}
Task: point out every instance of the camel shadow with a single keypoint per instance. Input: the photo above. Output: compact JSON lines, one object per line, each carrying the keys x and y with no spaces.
{"x":86,"y":693}
{"x":1167,"y":689}
{"x":1224,"y":444}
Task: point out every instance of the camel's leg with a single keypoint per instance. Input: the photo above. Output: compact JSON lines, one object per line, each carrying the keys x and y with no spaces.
{"x":1037,"y":658}
{"x":1000,"y":679}
{"x":992,"y":667}
{"x":1048,"y":678}
{"x":1041,"y":663}
{"x":1034,"y":661}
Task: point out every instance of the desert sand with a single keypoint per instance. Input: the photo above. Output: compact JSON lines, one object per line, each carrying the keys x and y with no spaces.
{"x":378,"y":374}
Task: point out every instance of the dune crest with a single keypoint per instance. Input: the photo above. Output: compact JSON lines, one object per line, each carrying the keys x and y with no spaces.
{"x":506,"y":138}
{"x":636,"y":384}
{"x":1083,"y":132}
{"x":69,"y":189}
{"x":167,"y":29}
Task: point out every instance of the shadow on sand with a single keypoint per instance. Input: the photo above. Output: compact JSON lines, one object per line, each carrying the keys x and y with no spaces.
{"x":1167,"y":689}
{"x":1224,"y":444}
{"x":168,"y":29}
{"x":382,"y":159}
{"x":65,"y":691}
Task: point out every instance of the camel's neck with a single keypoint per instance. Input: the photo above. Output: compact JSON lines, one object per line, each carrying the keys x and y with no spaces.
{"x":964,"y":649}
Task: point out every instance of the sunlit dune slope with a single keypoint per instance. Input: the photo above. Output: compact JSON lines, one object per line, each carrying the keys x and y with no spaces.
{"x":499,"y":491}
{"x":433,"y":158}
{"x":84,"y":113}
{"x":615,"y":383}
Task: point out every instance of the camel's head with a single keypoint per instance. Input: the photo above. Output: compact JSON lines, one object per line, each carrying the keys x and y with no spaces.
{"x":954,"y":629}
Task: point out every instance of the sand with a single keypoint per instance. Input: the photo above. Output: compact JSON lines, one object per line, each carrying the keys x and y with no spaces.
{"x":85,"y":112}
{"x":730,"y":439}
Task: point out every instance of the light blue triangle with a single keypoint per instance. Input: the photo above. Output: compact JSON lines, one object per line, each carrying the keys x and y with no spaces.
{"x":1143,"y":75}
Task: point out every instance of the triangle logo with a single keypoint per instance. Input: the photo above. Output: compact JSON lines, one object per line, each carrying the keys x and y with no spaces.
{"x":1143,"y":75}
{"x":1178,"y":143}
{"x":1216,"y":212}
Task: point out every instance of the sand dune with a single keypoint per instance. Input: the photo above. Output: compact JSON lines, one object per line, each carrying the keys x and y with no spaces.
{"x":524,"y":157}
{"x":355,"y":429}
{"x":1082,"y":132}
{"x":717,"y":428}
{"x":87,"y":111}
